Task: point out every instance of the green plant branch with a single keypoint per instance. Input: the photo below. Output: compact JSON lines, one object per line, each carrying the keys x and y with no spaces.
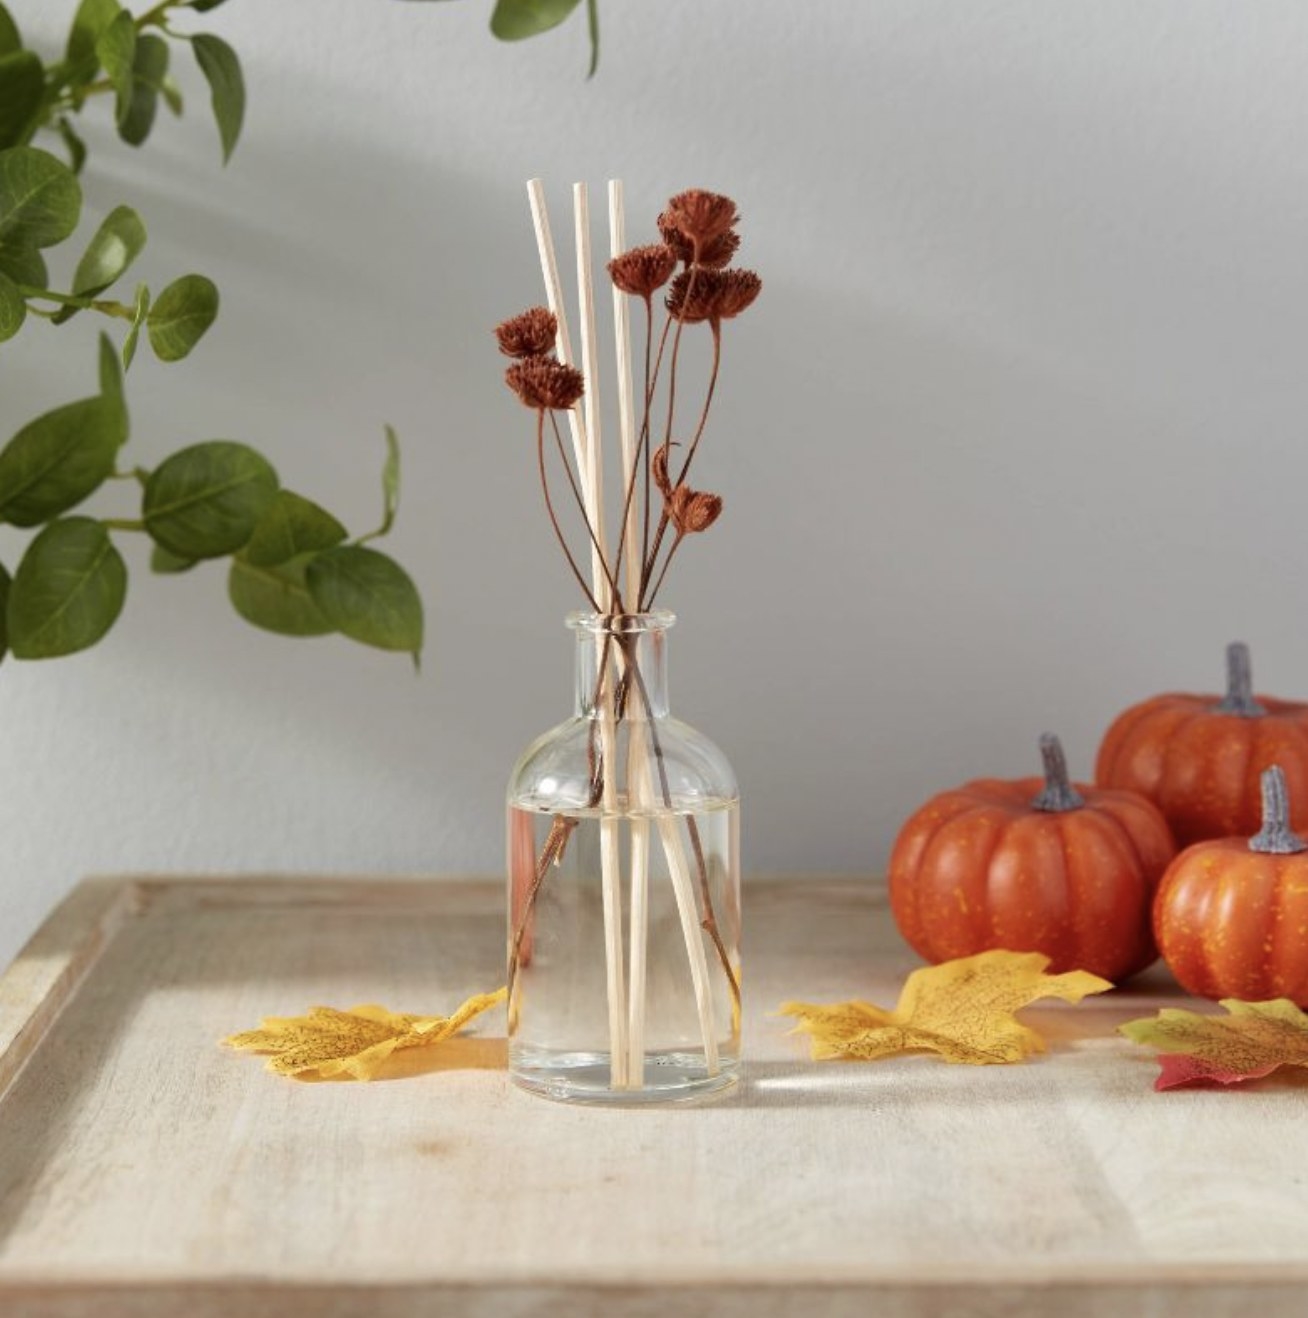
{"x":106,"y":308}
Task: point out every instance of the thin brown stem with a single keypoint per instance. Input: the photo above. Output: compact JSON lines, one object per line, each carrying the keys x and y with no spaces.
{"x":555,"y":843}
{"x":585,"y":517}
{"x":709,"y":922}
{"x":667,"y":562}
{"x":554,"y":521}
{"x":708,"y":401}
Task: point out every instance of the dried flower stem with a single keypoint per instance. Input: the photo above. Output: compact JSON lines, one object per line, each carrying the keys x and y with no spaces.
{"x":554,"y":521}
{"x":597,"y":550}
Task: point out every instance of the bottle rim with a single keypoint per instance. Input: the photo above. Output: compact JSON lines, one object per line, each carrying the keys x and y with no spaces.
{"x":621,"y":624}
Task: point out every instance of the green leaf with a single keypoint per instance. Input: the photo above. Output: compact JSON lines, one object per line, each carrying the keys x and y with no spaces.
{"x":292,"y":526}
{"x":390,"y":481}
{"x":24,"y":265}
{"x":115,"y":48}
{"x":206,"y":500}
{"x":138,"y":319}
{"x":592,"y":28}
{"x":515,"y":19}
{"x":149,"y":78}
{"x":181,"y":315}
{"x":22,"y":89}
{"x":276,"y":598}
{"x":117,"y":243}
{"x":10,"y":38}
{"x":68,"y":590}
{"x":111,"y":386}
{"x":367,"y":596}
{"x":13,"y":308}
{"x":168,"y":564}
{"x":75,"y":146}
{"x":222,"y":70}
{"x":172,"y":94}
{"x":92,"y":17}
{"x":204,"y":6}
{"x":5,"y":582}
{"x":55,"y":461}
{"x":40,"y":198}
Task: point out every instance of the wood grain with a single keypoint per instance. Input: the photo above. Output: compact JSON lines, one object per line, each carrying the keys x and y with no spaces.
{"x":145,"y":1171}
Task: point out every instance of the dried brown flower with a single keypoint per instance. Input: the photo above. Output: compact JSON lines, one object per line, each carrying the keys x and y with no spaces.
{"x":692,"y":298}
{"x":715,"y":254}
{"x":697,"y":294}
{"x":738,"y":289}
{"x":691,"y":511}
{"x":702,"y":216}
{"x":530,"y":334}
{"x":660,"y":472}
{"x":545,"y":383}
{"x":643,"y":270}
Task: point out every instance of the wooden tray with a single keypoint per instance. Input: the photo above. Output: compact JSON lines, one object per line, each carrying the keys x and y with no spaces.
{"x":145,"y":1171}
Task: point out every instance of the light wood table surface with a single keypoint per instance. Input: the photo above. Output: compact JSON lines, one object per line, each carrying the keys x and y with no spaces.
{"x":145,"y":1171}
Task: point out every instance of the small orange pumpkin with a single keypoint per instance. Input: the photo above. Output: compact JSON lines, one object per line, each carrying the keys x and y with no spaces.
{"x":1198,"y":758}
{"x":1032,"y":866}
{"x":1231,"y":916}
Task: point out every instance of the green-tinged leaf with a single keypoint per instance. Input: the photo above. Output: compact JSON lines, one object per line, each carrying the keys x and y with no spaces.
{"x":172,"y":94}
{"x":111,"y":386}
{"x":163,"y":562}
{"x":22,"y":88}
{"x":222,"y":70}
{"x":92,"y":17}
{"x":204,"y":6}
{"x":68,"y":591}
{"x":593,"y":29}
{"x":367,"y":596}
{"x":206,"y":500}
{"x":115,"y":48}
{"x":55,"y":461}
{"x":390,"y":481}
{"x":75,"y":146}
{"x":13,"y":308}
{"x":181,"y":315}
{"x":138,"y":319}
{"x":10,"y":38}
{"x":149,"y":79}
{"x":6,"y":581}
{"x":24,"y":265}
{"x":117,"y":243}
{"x":515,"y":19}
{"x":276,"y":598}
{"x":293,"y":525}
{"x":40,"y":198}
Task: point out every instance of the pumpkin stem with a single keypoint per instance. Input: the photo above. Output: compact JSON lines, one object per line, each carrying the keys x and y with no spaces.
{"x":1058,"y":794}
{"x":1239,"y":697}
{"x":1275,"y":838}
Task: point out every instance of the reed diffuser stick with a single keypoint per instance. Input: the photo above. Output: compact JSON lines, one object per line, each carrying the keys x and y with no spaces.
{"x":639,"y":783}
{"x":610,"y":818}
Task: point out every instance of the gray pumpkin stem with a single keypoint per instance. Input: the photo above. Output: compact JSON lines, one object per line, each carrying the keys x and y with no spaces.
{"x":1239,"y":697}
{"x":1275,"y":838}
{"x":1058,"y":793}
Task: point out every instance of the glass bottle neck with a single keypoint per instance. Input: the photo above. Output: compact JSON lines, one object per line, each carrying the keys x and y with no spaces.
{"x":630,"y":663}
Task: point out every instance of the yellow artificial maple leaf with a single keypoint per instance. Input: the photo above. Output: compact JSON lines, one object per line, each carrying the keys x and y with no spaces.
{"x":1251,"y":1041}
{"x":961,"y":1009}
{"x":357,"y":1042}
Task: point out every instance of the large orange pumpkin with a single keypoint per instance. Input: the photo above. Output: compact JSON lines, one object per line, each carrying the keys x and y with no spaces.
{"x":1198,"y":758}
{"x":1231,"y":916}
{"x":1033,"y":865}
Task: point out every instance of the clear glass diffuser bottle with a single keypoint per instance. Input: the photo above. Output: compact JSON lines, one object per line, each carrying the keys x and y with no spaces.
{"x":624,"y":888}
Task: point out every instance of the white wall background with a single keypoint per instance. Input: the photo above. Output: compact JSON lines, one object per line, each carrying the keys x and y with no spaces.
{"x":1015,"y":436}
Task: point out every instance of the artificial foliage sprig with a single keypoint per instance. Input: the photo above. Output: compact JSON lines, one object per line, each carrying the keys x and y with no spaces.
{"x":293,"y":568}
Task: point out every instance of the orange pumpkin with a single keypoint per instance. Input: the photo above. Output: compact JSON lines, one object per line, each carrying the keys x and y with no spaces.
{"x":1231,"y":916}
{"x":1032,"y":866}
{"x":1198,"y":758}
